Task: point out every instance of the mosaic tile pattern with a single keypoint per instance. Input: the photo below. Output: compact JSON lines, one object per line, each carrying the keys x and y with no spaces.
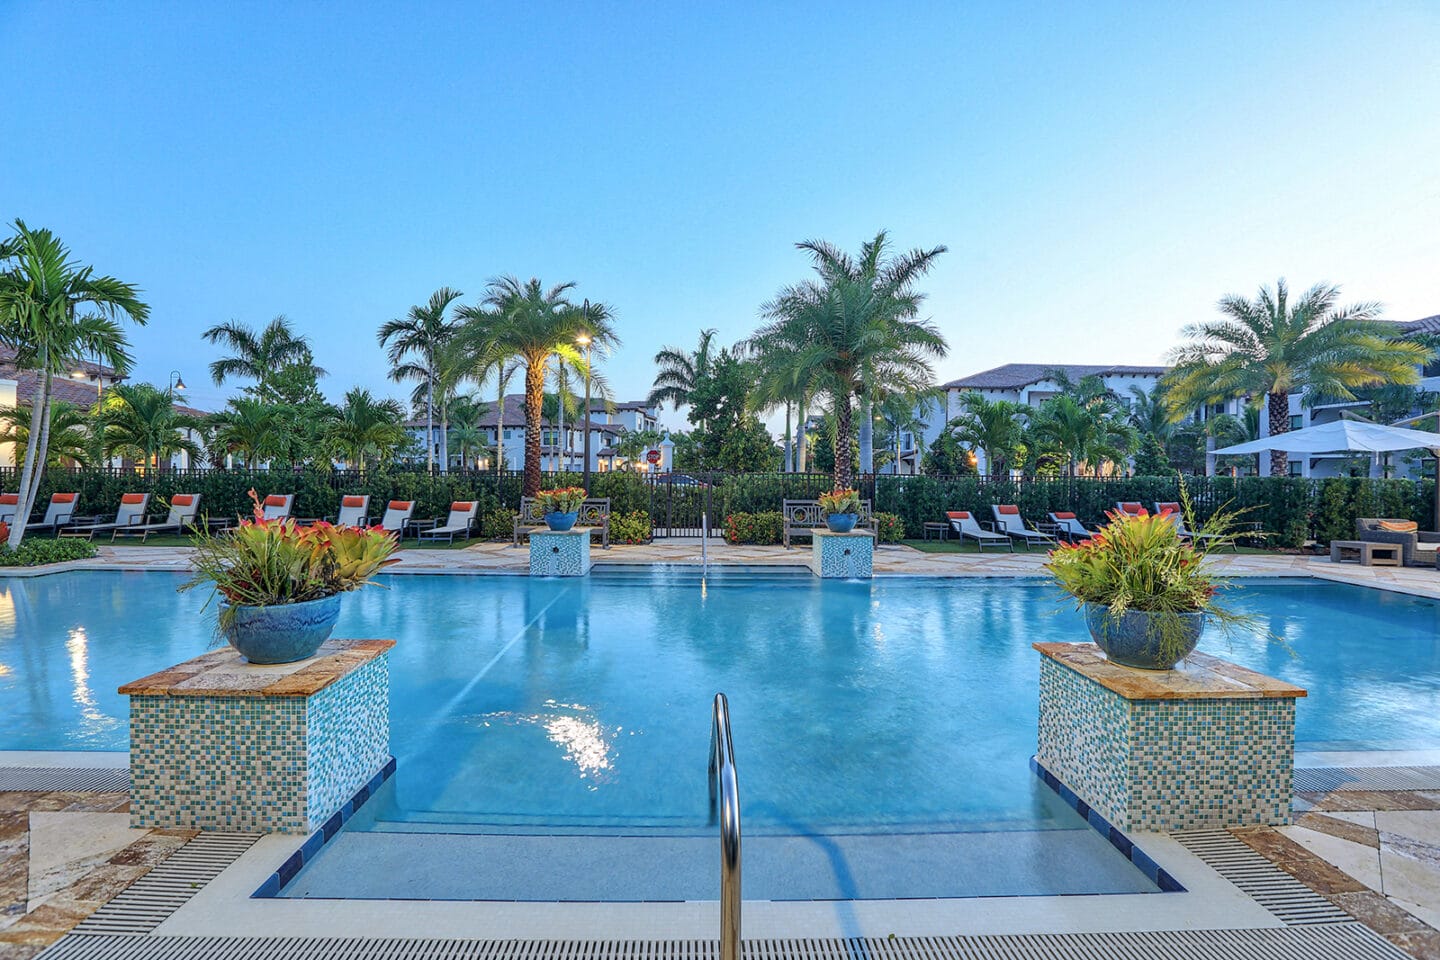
{"x":841,"y":556}
{"x":277,"y":764}
{"x":1167,"y":765}
{"x":554,"y":554}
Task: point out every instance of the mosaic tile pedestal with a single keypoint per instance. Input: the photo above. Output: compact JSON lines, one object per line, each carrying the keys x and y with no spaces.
{"x":219,"y":743}
{"x":560,"y":553}
{"x":1208,"y":745}
{"x":842,"y":555}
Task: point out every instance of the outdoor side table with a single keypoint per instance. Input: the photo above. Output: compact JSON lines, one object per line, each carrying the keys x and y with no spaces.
{"x":933,"y":527}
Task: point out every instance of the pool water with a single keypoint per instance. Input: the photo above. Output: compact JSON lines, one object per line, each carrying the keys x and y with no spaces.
{"x":896,"y":705}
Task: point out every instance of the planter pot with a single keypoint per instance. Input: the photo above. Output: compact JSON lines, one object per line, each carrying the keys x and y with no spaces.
{"x":841,"y":522}
{"x":561,"y":521}
{"x":284,"y":632}
{"x":1133,"y":639}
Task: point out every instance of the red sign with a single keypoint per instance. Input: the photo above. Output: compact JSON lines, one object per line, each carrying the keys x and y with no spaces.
{"x":653,"y":456}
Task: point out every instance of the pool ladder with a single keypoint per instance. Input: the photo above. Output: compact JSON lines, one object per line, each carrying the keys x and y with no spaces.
{"x":725,"y":799}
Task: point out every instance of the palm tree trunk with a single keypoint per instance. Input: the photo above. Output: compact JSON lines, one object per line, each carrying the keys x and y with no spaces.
{"x":800,"y":456}
{"x":430,"y":424}
{"x":1279,"y":405}
{"x":444,"y":436}
{"x":844,"y":468}
{"x":789,"y":448}
{"x":867,"y":437}
{"x":499,"y":425}
{"x":534,"y":404}
{"x":25,"y":501}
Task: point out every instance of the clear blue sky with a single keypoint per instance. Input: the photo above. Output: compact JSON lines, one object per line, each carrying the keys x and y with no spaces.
{"x":1101,"y":174}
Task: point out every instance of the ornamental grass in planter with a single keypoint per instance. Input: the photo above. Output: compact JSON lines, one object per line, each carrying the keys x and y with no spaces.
{"x":1145,"y":590}
{"x":279,"y":584}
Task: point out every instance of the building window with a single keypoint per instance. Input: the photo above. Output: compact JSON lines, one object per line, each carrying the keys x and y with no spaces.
{"x":1295,"y":467}
{"x":1297,"y":422}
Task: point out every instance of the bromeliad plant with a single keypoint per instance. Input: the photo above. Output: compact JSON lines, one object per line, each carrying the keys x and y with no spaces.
{"x":840,"y":501}
{"x":273,"y":562}
{"x":561,"y":500}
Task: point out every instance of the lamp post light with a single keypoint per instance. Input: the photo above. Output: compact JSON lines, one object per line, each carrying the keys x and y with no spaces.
{"x":585,"y":341}
{"x":175,"y":384}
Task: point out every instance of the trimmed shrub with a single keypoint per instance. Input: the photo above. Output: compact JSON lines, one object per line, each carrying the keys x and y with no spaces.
{"x":631,"y":527}
{"x":890,"y":527}
{"x":497,"y":524}
{"x":33,"y":553}
{"x":759,"y":528}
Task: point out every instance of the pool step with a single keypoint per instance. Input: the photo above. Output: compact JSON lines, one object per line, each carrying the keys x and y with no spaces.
{"x":430,"y":866}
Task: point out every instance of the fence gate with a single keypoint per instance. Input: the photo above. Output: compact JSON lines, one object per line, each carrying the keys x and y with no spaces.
{"x":681,"y":503}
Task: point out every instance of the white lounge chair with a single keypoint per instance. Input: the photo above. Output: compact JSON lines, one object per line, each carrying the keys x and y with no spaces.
{"x":130,"y":514}
{"x":354,"y":512}
{"x":397,"y":517}
{"x":184,"y":508}
{"x":967,"y":527}
{"x":462,"y":518}
{"x":277,"y":506}
{"x":57,"y":514}
{"x":1009,"y":522}
{"x":1177,"y":517}
{"x":1069,"y":526}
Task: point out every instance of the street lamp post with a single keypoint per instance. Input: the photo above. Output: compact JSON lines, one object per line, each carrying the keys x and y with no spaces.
{"x":175,"y":384}
{"x":585,"y":341}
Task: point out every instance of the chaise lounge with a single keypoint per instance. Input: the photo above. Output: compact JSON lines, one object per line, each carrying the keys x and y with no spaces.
{"x":184,"y":508}
{"x":57,"y":514}
{"x":1069,"y":526}
{"x":462,"y":519}
{"x":1009,"y":522}
{"x":964,"y":524}
{"x":131,"y":513}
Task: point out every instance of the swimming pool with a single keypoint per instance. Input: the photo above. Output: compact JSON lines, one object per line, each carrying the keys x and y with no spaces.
{"x":582,"y":705}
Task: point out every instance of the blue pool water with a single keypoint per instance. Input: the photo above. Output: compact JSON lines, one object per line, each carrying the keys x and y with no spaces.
{"x":584,"y":705}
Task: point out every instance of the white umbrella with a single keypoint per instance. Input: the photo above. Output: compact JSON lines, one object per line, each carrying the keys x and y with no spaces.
{"x":1358,"y":436}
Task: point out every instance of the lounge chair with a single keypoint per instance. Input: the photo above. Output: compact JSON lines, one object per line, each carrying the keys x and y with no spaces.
{"x":967,"y":527}
{"x":130,"y":514}
{"x":1009,"y":522}
{"x":277,"y":506}
{"x":57,"y":514}
{"x":1069,"y":526}
{"x":354,"y":512}
{"x":184,"y":508}
{"x":1130,"y":508}
{"x":463,"y":514}
{"x":397,"y":517}
{"x":9,"y":502}
{"x":1177,"y":517}
{"x":1418,"y":548}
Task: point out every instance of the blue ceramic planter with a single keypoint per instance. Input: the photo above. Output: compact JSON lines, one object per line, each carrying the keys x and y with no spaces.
{"x":1133,"y":638}
{"x":561,"y":521}
{"x":841,"y":522}
{"x":285,"y":632}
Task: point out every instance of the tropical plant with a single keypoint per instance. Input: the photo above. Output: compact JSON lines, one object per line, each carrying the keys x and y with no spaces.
{"x":852,"y":328}
{"x":561,"y":499}
{"x":416,"y":344}
{"x":271,"y":562}
{"x":1272,"y":346}
{"x":994,"y":427}
{"x":363,"y":428}
{"x":140,"y":422}
{"x":840,"y":501}
{"x":249,"y":429}
{"x":464,"y":434}
{"x":72,"y":437}
{"x":1077,"y":433}
{"x":680,"y":371}
{"x":532,"y":324}
{"x":1150,"y":413}
{"x":277,"y":358}
{"x":632,"y":445}
{"x":54,"y":314}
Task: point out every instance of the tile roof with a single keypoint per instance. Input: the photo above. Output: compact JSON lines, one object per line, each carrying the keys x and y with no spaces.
{"x":1423,"y":325}
{"x":7,"y":355}
{"x":1013,"y":376}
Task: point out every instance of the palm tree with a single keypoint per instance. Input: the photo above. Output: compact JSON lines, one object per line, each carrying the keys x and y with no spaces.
{"x":901,"y":412}
{"x":633,"y":443}
{"x":364,"y":427}
{"x":249,"y":429}
{"x":464,"y":433}
{"x":1150,"y":413}
{"x":679,"y":371}
{"x":1081,"y":433}
{"x":533,"y":324}
{"x":141,"y":422}
{"x":853,"y":328}
{"x":54,"y":313}
{"x":1271,"y":347}
{"x":994,"y":427}
{"x":485,"y":357}
{"x":415,"y":343}
{"x":259,"y":354}
{"x":71,"y":434}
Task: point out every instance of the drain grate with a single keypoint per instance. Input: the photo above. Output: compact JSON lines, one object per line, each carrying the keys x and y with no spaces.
{"x":1275,"y":890}
{"x":1325,"y":779}
{"x":146,"y":903}
{"x":1349,"y":941}
{"x":79,"y":779}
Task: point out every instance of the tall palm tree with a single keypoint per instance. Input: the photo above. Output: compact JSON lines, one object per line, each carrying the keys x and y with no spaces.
{"x":532,"y":324}
{"x":678,"y":371}
{"x":54,"y":314}
{"x":249,"y":429}
{"x":1150,"y":412}
{"x":71,"y":434}
{"x":901,"y":412}
{"x":416,"y":342}
{"x":141,"y":422}
{"x":464,"y":433}
{"x":1272,"y":346}
{"x":1089,"y":434}
{"x":852,"y":328}
{"x":259,"y":354}
{"x":994,"y":427}
{"x":486,"y":358}
{"x":363,"y":427}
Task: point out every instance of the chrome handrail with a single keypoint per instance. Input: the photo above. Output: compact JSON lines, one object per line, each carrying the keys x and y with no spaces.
{"x":725,"y":794}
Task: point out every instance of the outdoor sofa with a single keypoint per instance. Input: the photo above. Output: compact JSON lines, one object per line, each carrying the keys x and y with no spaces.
{"x":594,"y":513}
{"x":1418,"y":548}
{"x":804,"y":517}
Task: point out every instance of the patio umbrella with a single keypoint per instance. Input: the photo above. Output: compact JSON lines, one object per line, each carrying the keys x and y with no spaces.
{"x":1347,"y":436}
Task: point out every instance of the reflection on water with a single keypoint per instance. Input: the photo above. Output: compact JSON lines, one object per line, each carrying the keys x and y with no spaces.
{"x":92,"y":717}
{"x":585,"y":743}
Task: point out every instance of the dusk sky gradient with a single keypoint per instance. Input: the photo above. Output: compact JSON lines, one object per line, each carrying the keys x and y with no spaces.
{"x":1101,"y":173}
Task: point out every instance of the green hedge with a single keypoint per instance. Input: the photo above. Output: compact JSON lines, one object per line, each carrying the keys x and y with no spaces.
{"x":34,"y":552}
